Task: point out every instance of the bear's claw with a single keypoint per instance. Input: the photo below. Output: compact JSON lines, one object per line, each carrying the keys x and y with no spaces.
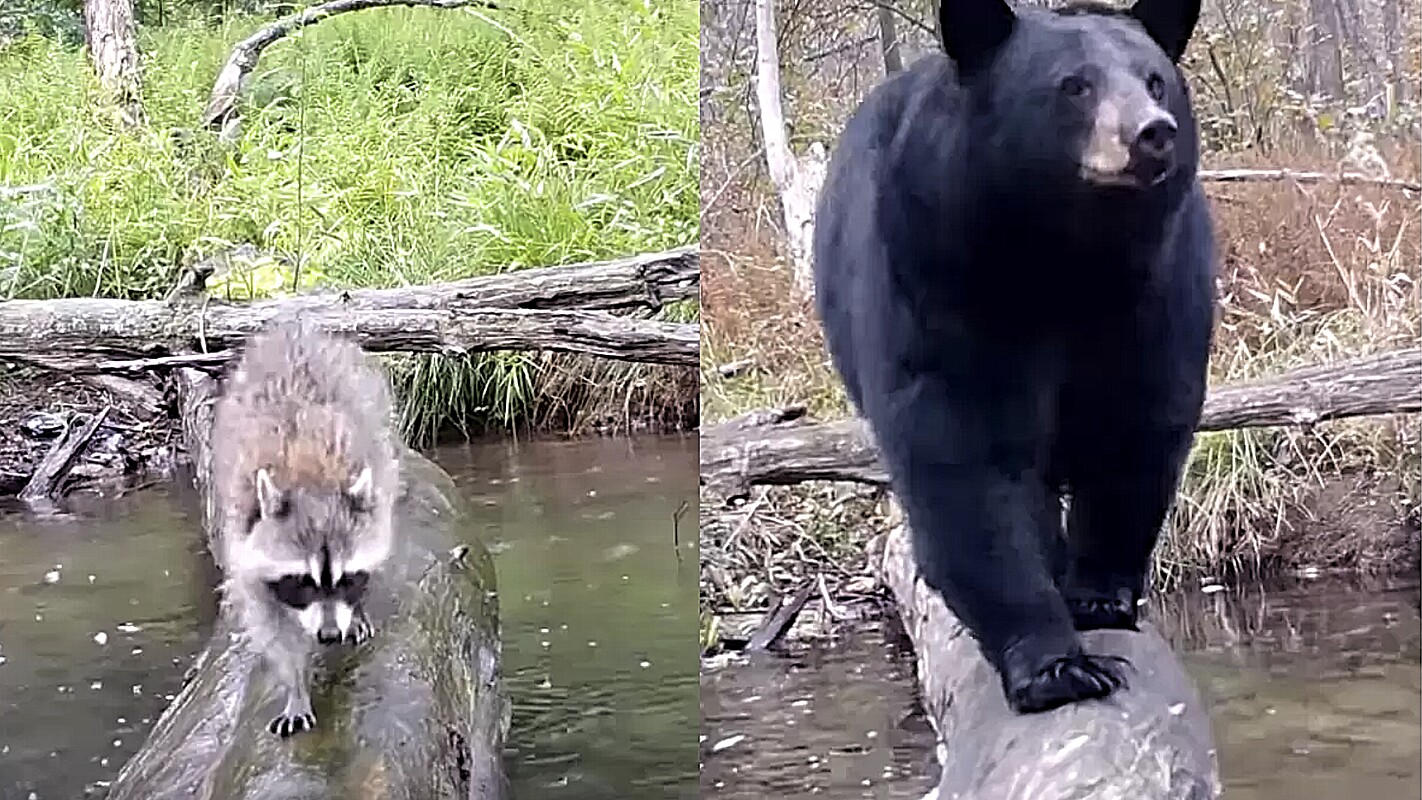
{"x":1033,"y":685}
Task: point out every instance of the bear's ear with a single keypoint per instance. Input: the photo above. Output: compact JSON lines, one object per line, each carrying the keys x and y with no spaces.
{"x":1169,"y":22}
{"x":973,"y":30}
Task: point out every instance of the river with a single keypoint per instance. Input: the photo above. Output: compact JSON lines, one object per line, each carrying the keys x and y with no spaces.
{"x":103,"y":608}
{"x":1313,"y":686}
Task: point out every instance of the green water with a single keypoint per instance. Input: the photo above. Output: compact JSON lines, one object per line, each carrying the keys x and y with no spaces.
{"x":1314,"y":692}
{"x":599,"y":621}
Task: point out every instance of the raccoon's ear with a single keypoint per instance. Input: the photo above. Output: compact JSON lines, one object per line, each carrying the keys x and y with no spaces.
{"x":271,"y":501}
{"x":362,"y":490}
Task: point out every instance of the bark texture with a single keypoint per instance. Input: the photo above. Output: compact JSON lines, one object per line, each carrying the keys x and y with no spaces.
{"x":1151,"y":741}
{"x":554,"y":308}
{"x":111,"y":34}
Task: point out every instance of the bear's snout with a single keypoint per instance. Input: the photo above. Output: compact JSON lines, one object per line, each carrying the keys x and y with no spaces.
{"x":1131,"y":144}
{"x":1153,"y":149}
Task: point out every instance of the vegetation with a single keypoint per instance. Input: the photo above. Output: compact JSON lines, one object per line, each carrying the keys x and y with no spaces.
{"x":1309,"y":274}
{"x":383,"y":147}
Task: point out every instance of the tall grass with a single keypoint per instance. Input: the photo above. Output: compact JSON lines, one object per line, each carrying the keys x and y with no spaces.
{"x":379,"y":148}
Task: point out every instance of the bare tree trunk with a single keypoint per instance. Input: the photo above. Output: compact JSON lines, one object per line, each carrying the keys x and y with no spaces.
{"x":796,"y":181}
{"x":1393,"y":42}
{"x":112,"y":38}
{"x":1325,"y":62}
{"x":889,"y":41}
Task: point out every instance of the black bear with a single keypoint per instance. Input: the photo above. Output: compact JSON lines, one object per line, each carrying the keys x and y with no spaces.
{"x":1014,"y":270}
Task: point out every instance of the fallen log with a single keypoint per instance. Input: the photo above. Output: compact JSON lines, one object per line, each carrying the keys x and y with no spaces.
{"x":553,"y":308}
{"x":1151,"y":741}
{"x":780,"y":447}
{"x":416,"y":713}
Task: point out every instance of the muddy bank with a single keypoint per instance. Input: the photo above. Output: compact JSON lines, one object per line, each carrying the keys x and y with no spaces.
{"x":131,"y":446}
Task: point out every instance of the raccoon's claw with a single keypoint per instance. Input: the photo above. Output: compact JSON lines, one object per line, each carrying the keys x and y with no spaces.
{"x":287,"y":725}
{"x":360,"y":631}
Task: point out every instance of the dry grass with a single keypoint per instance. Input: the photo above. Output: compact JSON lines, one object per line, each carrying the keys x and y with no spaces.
{"x":1309,"y":274}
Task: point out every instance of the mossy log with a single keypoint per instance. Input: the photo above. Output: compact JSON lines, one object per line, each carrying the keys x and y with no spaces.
{"x":416,"y":713}
{"x":1150,"y":741}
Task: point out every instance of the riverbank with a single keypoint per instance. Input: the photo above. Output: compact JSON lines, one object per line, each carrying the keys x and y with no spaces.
{"x":385,"y":147}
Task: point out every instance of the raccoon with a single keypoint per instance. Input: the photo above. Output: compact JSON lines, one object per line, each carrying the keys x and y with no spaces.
{"x":304,"y":479}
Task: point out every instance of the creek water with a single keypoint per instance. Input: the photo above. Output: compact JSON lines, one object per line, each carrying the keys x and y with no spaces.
{"x":1314,"y":689}
{"x":103,"y":608}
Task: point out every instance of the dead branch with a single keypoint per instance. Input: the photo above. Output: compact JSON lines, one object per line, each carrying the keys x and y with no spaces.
{"x":1275,"y":175}
{"x":778,"y":447}
{"x":522,"y":310}
{"x":778,"y":620}
{"x":221,"y":113}
{"x":797,"y":179}
{"x":51,"y":471}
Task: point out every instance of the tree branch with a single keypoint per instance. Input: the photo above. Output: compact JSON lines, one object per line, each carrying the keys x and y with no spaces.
{"x":221,"y":110}
{"x":1276,"y":175}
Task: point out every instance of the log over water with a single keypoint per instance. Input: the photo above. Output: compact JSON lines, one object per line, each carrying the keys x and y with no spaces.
{"x":417,"y":713}
{"x":1151,"y":741}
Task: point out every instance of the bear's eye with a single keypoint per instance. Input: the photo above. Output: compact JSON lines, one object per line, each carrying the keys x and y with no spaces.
{"x":1075,"y":86}
{"x":1156,"y":86}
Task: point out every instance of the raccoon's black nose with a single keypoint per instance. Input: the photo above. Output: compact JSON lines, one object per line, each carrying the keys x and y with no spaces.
{"x":329,"y":634}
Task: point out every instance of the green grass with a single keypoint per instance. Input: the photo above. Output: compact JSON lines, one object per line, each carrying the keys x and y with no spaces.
{"x":380,"y":148}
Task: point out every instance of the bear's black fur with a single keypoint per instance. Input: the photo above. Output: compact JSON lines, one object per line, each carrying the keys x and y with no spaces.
{"x":1013,"y":266}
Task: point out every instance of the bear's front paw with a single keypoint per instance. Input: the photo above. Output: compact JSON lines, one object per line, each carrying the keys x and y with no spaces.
{"x":1035,"y":683}
{"x":1092,"y":611}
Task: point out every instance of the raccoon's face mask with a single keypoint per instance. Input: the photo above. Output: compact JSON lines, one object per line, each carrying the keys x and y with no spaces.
{"x":318,"y":552}
{"x":324,"y":604}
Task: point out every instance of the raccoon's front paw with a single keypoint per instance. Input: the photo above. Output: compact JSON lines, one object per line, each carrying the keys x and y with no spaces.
{"x":360,"y":630}
{"x":288,"y":724}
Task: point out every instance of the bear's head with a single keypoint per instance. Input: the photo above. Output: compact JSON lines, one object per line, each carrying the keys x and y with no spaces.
{"x":1083,"y":98}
